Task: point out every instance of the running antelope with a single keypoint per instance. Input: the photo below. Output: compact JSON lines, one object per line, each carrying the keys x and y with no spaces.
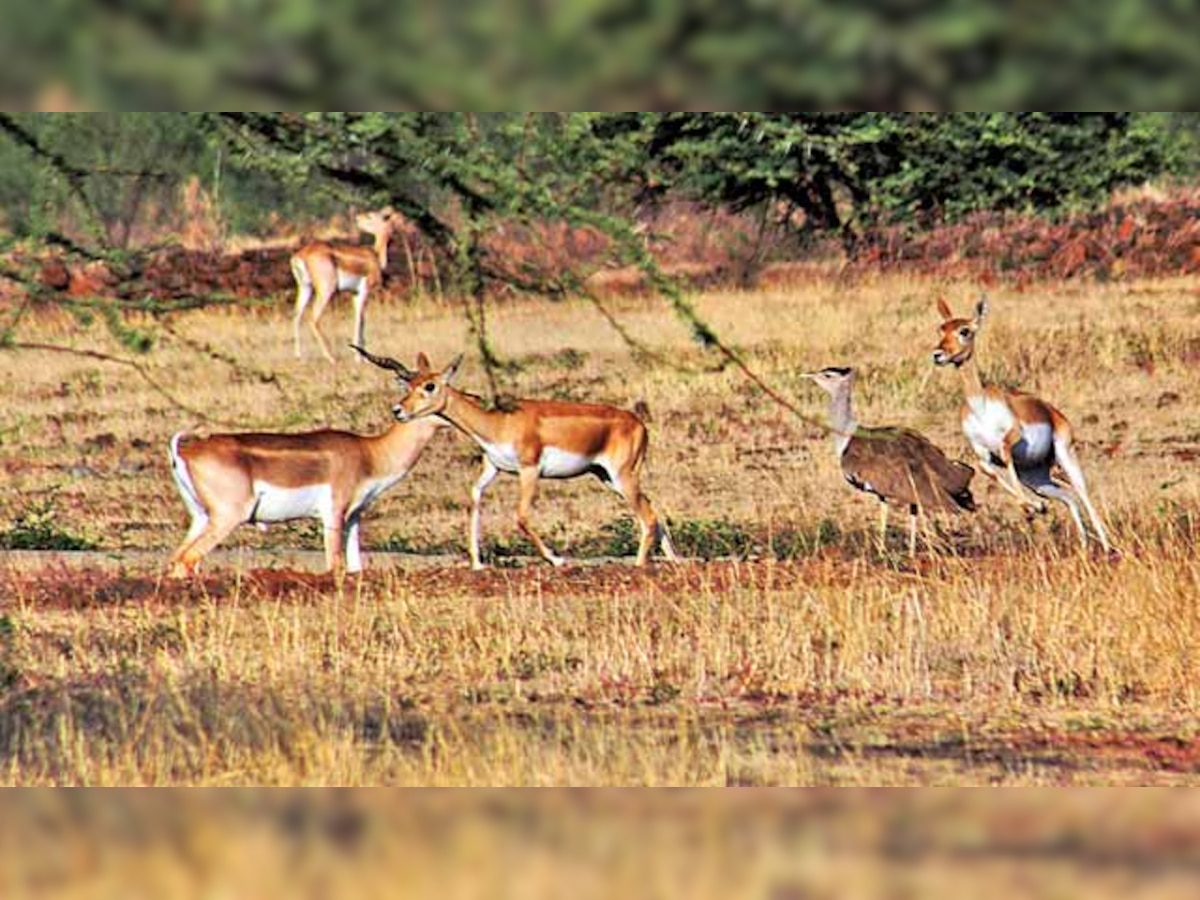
{"x":230,"y":479}
{"x":325,"y":268}
{"x":1017,"y":437}
{"x":535,"y":439}
{"x":897,"y":465}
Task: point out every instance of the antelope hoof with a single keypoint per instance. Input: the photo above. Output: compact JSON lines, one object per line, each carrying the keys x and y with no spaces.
{"x":557,"y":561}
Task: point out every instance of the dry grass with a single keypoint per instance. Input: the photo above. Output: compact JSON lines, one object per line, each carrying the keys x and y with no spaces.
{"x":1001,"y":657}
{"x":1040,"y":844}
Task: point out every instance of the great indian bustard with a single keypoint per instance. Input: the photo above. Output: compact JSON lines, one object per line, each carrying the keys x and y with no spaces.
{"x":897,"y":465}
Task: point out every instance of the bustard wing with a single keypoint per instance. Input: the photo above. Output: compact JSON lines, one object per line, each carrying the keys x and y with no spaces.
{"x":903,"y":467}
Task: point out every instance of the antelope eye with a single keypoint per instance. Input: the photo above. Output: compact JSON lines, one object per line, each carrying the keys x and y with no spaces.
{"x":964,"y":333}
{"x":430,"y":387}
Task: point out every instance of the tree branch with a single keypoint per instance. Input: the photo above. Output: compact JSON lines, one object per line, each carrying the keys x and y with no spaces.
{"x":74,"y":176}
{"x":232,"y":362}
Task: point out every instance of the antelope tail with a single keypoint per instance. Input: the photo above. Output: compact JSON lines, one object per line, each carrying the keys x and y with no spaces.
{"x":183,"y":478}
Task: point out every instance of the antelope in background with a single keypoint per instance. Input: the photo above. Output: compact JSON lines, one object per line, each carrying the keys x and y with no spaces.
{"x":535,"y":439}
{"x":324,"y":268}
{"x":230,"y":479}
{"x":1017,"y":437}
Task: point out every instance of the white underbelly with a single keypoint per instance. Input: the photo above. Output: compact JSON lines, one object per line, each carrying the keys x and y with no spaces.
{"x":279,"y":504}
{"x":553,"y":463}
{"x":989,"y":421}
{"x":348,"y":281}
{"x":556,"y":463}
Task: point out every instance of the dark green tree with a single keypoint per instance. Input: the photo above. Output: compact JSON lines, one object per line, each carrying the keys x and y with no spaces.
{"x":851,"y":172}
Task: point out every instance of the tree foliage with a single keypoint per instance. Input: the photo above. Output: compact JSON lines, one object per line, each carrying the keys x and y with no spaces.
{"x":671,"y":54}
{"x":454,"y":172}
{"x":850,"y":172}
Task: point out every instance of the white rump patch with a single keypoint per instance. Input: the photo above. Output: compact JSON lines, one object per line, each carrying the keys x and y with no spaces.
{"x":1035,"y":444}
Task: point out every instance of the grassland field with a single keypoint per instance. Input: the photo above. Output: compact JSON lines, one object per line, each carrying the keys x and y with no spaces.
{"x":787,"y":650}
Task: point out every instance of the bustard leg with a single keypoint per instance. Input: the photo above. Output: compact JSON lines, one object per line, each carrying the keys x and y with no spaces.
{"x":912,"y":531}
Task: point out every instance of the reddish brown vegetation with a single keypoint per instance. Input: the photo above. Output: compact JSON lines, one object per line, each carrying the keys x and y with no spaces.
{"x":1146,"y":236}
{"x":1140,"y":238}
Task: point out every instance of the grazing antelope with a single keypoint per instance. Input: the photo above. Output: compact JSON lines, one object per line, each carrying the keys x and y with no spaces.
{"x":897,"y":465}
{"x":535,"y":439}
{"x":325,"y":268}
{"x":230,"y":479}
{"x":1017,"y":437}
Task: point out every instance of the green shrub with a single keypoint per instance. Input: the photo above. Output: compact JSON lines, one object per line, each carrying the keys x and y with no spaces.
{"x":37,"y":528}
{"x":713,"y":538}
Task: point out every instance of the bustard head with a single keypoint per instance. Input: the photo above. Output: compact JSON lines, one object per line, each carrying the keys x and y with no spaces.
{"x":838,"y":382}
{"x":833,"y":379}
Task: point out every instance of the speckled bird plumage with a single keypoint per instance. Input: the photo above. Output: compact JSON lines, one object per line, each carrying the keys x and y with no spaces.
{"x":897,"y":465}
{"x":902,"y":467}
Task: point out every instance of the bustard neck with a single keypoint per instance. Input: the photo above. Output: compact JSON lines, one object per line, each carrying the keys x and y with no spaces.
{"x":841,"y":418}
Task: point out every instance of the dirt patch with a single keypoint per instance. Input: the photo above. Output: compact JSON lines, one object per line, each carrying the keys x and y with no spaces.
{"x":1050,"y":751}
{"x":1169,"y":753}
{"x":68,"y":587}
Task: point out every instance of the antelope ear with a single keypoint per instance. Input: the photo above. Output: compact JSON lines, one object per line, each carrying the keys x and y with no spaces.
{"x":452,"y":369}
{"x":944,"y":308}
{"x":981,"y":308}
{"x":423,"y":363}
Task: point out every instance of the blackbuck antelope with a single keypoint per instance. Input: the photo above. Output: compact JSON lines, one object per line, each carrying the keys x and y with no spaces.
{"x":1017,"y":437}
{"x":230,"y":479}
{"x":897,"y":465}
{"x":535,"y":439}
{"x":323,"y":268}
